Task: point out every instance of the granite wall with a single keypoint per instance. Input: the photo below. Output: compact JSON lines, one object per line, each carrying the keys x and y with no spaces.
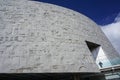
{"x":37,"y":37}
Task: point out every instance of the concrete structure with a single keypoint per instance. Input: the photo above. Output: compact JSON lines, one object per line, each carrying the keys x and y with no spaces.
{"x":37,"y":37}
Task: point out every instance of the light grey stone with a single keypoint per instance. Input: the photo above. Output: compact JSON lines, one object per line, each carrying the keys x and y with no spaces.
{"x":39,"y":37}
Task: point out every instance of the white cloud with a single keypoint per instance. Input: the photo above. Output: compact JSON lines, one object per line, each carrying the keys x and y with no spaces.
{"x":112,"y":31}
{"x":117,"y":19}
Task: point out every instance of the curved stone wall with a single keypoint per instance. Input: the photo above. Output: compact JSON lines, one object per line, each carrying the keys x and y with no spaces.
{"x":39,"y":37}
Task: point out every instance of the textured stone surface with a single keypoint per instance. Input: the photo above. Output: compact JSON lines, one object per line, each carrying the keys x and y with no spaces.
{"x":40,"y":37}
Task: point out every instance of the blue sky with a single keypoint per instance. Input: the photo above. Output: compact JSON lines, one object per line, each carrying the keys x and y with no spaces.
{"x":106,"y":13}
{"x":101,"y":11}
